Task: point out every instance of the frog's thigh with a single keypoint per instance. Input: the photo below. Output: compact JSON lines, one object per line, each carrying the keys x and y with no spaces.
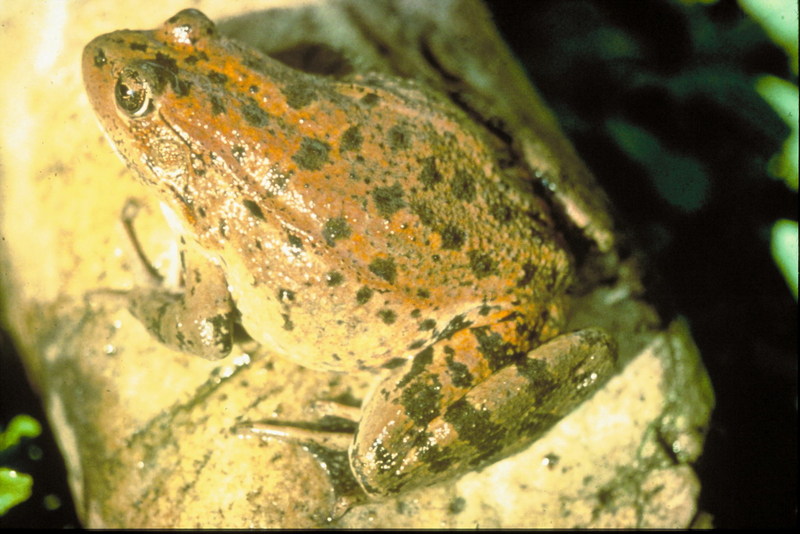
{"x":499,"y":416}
{"x":198,"y":321}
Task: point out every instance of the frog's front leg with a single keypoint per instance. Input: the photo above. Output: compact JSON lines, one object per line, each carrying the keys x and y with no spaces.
{"x":198,"y":320}
{"x":442,"y":418}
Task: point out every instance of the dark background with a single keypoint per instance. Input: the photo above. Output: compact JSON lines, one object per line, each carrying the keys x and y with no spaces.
{"x":699,"y":207}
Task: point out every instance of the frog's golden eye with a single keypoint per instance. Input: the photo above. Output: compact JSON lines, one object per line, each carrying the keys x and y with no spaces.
{"x":133,"y":94}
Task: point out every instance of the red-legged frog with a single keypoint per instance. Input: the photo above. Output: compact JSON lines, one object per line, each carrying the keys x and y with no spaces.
{"x":351,"y":224}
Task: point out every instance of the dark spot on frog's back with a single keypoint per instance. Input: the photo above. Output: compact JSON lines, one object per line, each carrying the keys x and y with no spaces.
{"x":351,"y":140}
{"x":399,"y":138}
{"x":453,"y":237}
{"x":387,"y":316}
{"x":394,"y":363}
{"x":217,"y":106}
{"x":313,"y":154}
{"x":294,"y":241}
{"x":193,"y":59}
{"x":363,"y":295}
{"x":418,"y":344}
{"x":335,"y":229}
{"x":167,"y":63}
{"x":254,"y":115}
{"x":425,"y":213}
{"x":238,"y":152}
{"x":253,"y":208}
{"x":217,"y":77}
{"x":388,"y":200}
{"x":481,"y":264}
{"x":384,"y":268}
{"x":429,"y":175}
{"x":139,"y":47}
{"x":370,"y":99}
{"x":528,"y":271}
{"x":427,"y":324}
{"x":298,"y":95}
{"x":501,"y":213}
{"x":463,"y":186}
{"x":334,"y":278}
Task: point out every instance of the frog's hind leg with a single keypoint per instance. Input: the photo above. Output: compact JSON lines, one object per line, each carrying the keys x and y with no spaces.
{"x":428,"y":426}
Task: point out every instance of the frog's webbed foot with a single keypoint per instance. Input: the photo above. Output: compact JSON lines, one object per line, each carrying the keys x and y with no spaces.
{"x":333,"y":433}
{"x":417,"y":433}
{"x":198,"y":320}
{"x":335,"y":422}
{"x":328,"y":441}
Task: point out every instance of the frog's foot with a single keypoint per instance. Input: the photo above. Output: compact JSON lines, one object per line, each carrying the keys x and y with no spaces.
{"x":329,"y":445}
{"x":414,"y":432}
{"x":299,"y":433}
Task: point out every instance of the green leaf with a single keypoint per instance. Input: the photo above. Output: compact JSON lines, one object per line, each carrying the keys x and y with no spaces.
{"x":782,"y":96}
{"x":14,"y":488}
{"x":680,"y":180}
{"x":21,"y":426}
{"x":779,"y":20}
{"x":784,"y":251}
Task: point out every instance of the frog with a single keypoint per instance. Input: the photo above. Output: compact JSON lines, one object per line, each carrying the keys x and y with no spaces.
{"x":362,"y":223}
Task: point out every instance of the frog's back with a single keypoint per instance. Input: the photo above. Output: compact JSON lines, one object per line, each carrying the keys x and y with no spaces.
{"x":367,"y":212}
{"x":413,"y":227}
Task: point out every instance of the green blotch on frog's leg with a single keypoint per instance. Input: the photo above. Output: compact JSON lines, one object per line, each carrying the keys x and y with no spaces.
{"x":459,"y":372}
{"x":499,"y":416}
{"x":421,"y":401}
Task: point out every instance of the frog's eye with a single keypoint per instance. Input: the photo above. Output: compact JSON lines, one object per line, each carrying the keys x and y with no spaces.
{"x":133,"y":94}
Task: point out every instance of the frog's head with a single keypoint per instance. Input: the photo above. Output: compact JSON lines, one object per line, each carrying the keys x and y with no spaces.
{"x":131,"y":78}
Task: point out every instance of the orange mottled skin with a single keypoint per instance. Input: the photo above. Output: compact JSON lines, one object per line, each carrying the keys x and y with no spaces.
{"x":357,"y":224}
